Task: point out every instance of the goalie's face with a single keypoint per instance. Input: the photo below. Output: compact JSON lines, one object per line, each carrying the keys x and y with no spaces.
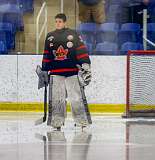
{"x":59,"y":23}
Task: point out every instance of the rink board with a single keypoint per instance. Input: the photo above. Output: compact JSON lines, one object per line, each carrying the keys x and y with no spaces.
{"x":18,"y":83}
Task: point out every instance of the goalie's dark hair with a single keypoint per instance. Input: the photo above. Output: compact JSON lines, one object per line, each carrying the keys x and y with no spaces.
{"x":61,"y":16}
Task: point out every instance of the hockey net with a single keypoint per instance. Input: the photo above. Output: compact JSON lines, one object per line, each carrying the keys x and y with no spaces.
{"x":140,"y":90}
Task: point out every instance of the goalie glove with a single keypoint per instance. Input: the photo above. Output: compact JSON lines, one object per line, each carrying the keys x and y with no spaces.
{"x":43,"y":77}
{"x":84,"y":74}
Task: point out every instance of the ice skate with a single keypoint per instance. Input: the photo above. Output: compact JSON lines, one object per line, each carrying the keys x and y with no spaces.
{"x":58,"y":128}
{"x":82,"y":124}
{"x":57,"y":123}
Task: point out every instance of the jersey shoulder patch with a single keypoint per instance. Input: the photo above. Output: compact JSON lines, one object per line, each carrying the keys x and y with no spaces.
{"x":50,"y":36}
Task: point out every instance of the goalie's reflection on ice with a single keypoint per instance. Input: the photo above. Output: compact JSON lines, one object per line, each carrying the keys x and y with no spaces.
{"x":57,"y":148}
{"x":109,"y":138}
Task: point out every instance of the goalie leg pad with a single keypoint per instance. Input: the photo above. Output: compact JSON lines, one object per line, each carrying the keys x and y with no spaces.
{"x":57,"y":101}
{"x":78,"y":101}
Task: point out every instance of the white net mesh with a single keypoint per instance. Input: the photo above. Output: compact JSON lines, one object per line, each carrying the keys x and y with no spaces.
{"x":141,"y":82}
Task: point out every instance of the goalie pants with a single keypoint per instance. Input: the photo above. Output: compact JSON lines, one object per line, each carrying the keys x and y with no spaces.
{"x":60,"y":88}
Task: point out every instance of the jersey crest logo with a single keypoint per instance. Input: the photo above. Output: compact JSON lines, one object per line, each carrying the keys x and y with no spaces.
{"x":61,"y":53}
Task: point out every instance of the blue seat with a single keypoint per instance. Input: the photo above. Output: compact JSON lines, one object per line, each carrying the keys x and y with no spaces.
{"x":151,"y":34}
{"x":106,"y":48}
{"x":8,"y":2}
{"x":87,"y":31}
{"x":151,"y":10}
{"x":87,"y":27}
{"x":8,"y":38}
{"x":130,"y":46}
{"x":10,"y":13}
{"x":7,"y":34}
{"x":134,"y":27}
{"x":9,"y":8}
{"x":129,"y":32}
{"x":3,"y":48}
{"x":107,"y":32}
{"x":26,"y":6}
{"x":151,"y":27}
{"x":7,"y":27}
{"x":152,"y":15}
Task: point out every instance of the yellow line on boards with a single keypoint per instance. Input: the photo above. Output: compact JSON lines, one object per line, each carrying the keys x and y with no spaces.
{"x":38,"y":107}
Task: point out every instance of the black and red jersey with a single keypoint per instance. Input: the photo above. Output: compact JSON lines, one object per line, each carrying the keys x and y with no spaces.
{"x":64,"y":49}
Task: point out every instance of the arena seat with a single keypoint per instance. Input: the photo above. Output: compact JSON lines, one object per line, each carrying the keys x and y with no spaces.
{"x":8,"y":2}
{"x":7,"y":34}
{"x":87,"y":27}
{"x":129,"y":32}
{"x":88,"y":32}
{"x":9,"y":8}
{"x":151,"y":31}
{"x":107,"y":32}
{"x":26,"y":6}
{"x":3,"y":48}
{"x":10,"y":13}
{"x":8,"y":27}
{"x":130,"y":46}
{"x":106,"y":48}
{"x":151,"y":34}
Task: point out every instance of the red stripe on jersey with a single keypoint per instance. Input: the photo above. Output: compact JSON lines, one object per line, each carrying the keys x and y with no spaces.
{"x":46,"y":60}
{"x":46,"y":52}
{"x":64,"y":70}
{"x":81,"y":47}
{"x":82,"y":56}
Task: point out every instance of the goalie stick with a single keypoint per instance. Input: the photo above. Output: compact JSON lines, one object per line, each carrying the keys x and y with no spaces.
{"x":43,"y":119}
{"x":85,"y":104}
{"x":82,"y":88}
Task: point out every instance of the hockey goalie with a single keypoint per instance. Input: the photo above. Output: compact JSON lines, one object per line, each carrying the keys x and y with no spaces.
{"x":67,"y":65}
